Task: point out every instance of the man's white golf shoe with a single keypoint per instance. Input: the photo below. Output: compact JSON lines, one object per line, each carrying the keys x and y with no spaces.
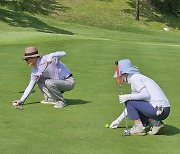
{"x":60,"y":104}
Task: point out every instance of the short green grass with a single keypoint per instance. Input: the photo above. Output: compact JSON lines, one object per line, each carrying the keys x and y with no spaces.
{"x":91,"y":53}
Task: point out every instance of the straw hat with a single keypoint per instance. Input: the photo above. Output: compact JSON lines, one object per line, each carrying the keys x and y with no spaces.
{"x":31,"y":52}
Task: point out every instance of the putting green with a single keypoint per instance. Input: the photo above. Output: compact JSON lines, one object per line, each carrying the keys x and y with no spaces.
{"x":79,"y":127}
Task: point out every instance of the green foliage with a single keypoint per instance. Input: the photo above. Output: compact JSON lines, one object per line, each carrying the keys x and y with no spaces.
{"x":168,"y":6}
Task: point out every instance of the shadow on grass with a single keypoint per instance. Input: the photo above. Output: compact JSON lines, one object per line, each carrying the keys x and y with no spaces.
{"x":76,"y":101}
{"x":151,"y":13}
{"x":17,"y":19}
{"x":33,"y":91}
{"x":169,"y":130}
{"x":123,"y":127}
{"x":44,"y":7}
{"x":31,"y":103}
{"x":69,"y":102}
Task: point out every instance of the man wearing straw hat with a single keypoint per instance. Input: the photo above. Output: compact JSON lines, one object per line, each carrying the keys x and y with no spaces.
{"x":51,"y":75}
{"x":146,"y":103}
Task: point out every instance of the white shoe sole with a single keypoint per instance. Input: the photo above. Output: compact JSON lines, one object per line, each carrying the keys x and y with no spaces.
{"x":59,"y":106}
{"x":43,"y":102}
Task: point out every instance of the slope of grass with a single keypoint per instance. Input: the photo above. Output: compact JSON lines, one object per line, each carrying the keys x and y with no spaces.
{"x":109,"y":14}
{"x":20,"y":22}
{"x":116,"y":14}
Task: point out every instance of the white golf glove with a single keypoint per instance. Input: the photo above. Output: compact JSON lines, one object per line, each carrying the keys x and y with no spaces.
{"x":114,"y":124}
{"x":124,"y":98}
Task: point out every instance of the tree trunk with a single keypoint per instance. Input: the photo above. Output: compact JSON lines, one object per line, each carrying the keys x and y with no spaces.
{"x":137,"y":10}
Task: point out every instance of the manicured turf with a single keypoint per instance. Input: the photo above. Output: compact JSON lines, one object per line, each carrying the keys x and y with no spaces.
{"x":79,"y":128}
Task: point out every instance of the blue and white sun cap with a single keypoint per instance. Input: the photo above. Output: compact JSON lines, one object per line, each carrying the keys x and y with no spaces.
{"x":125,"y":66}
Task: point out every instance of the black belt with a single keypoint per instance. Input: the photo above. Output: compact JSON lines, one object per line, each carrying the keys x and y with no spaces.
{"x":70,"y":75}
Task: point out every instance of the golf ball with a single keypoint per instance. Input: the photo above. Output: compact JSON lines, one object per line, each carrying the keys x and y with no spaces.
{"x":106,"y":125}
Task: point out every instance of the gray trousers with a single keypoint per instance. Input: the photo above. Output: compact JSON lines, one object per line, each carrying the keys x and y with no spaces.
{"x":53,"y":89}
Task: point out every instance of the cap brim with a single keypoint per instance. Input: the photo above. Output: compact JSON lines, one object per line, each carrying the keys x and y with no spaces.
{"x":129,"y":70}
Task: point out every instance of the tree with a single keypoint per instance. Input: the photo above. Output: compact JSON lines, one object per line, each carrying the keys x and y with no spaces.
{"x":137,"y":10}
{"x":168,"y":6}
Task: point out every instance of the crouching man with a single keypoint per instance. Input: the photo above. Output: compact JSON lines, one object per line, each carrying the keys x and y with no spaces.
{"x":51,"y":75}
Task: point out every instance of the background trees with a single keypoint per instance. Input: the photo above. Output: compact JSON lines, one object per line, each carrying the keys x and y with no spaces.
{"x":168,"y":6}
{"x":49,"y":6}
{"x":164,"y":6}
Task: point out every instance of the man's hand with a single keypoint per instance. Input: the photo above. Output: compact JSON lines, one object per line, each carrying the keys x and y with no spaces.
{"x":124,"y":98}
{"x":114,"y":124}
{"x":18,"y":104}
